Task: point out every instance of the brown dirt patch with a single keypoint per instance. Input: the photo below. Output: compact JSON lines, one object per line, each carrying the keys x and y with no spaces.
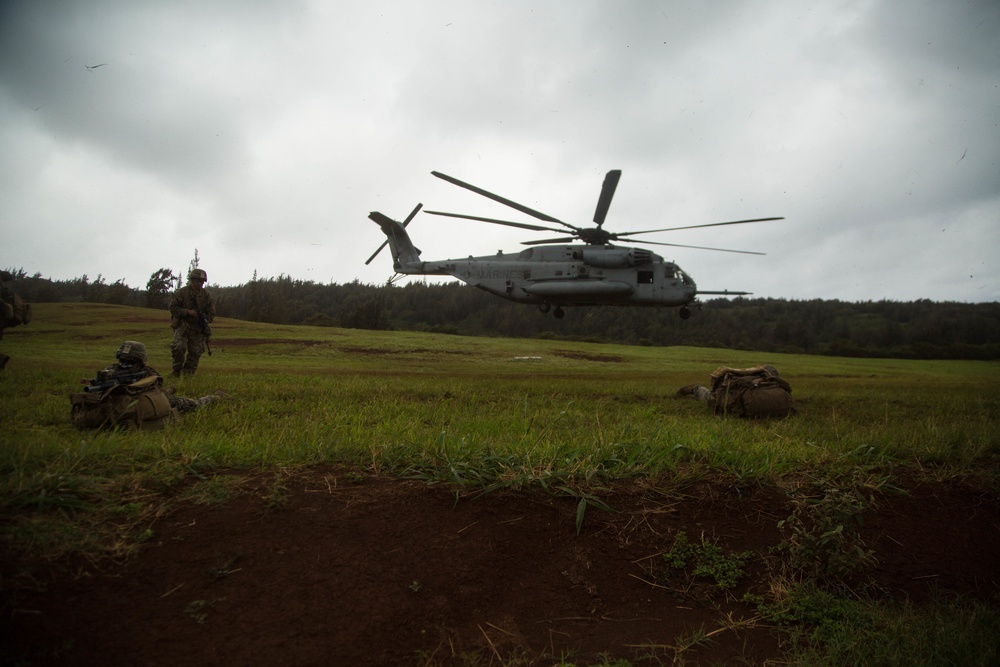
{"x":250,"y":342}
{"x":137,"y":319}
{"x":326,"y":567}
{"x":32,"y":332}
{"x":380,"y":351}
{"x":586,"y":356}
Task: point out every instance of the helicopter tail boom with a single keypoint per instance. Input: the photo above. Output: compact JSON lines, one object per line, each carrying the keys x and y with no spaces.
{"x":404,"y":253}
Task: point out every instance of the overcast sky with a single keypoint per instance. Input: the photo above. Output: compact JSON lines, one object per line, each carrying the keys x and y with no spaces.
{"x":261,"y":133}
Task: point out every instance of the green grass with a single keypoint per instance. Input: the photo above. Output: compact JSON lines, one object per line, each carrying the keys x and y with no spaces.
{"x":468,"y":412}
{"x":829,"y":629}
{"x":394,"y":400}
{"x":706,"y":560}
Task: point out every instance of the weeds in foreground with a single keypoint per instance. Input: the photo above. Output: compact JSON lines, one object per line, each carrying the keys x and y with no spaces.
{"x":515,"y":658}
{"x":684,"y":645}
{"x":226,"y":568}
{"x":706,"y":560}
{"x":829,"y":628}
{"x":823,"y":541}
{"x":276,"y":495}
{"x":491,"y":472}
{"x":216,"y":490}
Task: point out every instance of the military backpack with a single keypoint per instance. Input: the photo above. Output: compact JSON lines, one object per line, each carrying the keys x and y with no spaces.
{"x":754,"y":393}
{"x":140,"y":405}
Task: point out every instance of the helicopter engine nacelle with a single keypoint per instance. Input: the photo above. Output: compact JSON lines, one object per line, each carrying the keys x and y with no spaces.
{"x":613,"y":258}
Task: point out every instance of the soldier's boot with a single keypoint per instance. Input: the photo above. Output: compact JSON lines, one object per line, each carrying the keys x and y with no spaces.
{"x":177,"y":359}
{"x":190,"y":365}
{"x":207,"y":400}
{"x":183,"y":404}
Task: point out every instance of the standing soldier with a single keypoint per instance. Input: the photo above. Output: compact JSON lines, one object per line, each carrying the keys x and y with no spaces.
{"x":13,"y":310}
{"x":191,"y":311}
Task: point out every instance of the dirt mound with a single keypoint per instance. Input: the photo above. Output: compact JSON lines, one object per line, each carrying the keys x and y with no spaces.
{"x":327,"y":567}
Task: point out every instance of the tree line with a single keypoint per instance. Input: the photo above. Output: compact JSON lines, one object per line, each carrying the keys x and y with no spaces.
{"x":920,"y":329}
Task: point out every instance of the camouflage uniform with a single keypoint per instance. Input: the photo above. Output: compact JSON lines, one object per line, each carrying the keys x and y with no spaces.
{"x":183,"y":404}
{"x":696,"y":391}
{"x":4,"y":277}
{"x":188,"y":336}
{"x":132,"y":360}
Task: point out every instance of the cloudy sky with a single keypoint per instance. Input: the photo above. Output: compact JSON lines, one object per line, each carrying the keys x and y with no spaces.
{"x":262,"y":132}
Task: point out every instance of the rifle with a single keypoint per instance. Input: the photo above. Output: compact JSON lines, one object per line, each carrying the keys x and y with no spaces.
{"x":203,"y":326}
{"x":102,"y":385}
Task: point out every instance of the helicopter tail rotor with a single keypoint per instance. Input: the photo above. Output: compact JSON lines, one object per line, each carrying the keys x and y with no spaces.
{"x":410,"y":217}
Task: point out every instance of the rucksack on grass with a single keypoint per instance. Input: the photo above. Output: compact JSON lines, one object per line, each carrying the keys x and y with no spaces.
{"x":754,"y":393}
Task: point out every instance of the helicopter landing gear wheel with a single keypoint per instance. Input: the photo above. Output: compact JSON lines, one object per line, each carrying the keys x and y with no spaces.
{"x":559,"y":313}
{"x":685,"y":312}
{"x":545,"y":307}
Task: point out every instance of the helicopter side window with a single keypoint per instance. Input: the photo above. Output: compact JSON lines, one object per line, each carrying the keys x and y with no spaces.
{"x":644,"y":277}
{"x":671,"y":275}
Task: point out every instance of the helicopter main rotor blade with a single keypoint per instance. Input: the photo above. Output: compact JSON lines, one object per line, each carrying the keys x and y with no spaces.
{"x":565,"y":239}
{"x":509,"y":223}
{"x":410,"y":217}
{"x":607,"y":193}
{"x":698,"y":247}
{"x":497,"y":198}
{"x":711,"y":224}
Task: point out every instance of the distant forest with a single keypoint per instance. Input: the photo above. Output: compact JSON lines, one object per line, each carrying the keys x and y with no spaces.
{"x":914,"y":330}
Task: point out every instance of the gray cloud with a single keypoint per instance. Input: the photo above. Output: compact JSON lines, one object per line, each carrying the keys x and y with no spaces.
{"x":263,"y":133}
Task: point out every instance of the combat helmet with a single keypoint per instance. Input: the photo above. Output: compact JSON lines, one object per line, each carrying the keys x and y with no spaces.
{"x":198,"y":274}
{"x":131,"y":352}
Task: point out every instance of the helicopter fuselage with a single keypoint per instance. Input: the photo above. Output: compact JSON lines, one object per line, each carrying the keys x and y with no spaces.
{"x":579,"y":274}
{"x":549,"y":273}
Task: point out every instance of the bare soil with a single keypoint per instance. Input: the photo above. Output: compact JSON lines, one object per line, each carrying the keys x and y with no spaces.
{"x":325,"y":567}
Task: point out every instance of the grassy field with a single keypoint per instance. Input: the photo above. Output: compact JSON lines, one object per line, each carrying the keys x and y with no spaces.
{"x":394,"y":400}
{"x":476,"y":412}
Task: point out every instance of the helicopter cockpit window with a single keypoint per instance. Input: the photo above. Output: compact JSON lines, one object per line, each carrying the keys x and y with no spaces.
{"x":644,"y":277}
{"x":670,"y":273}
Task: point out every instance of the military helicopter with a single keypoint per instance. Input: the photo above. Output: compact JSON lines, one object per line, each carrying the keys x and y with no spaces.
{"x":556,"y":272}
